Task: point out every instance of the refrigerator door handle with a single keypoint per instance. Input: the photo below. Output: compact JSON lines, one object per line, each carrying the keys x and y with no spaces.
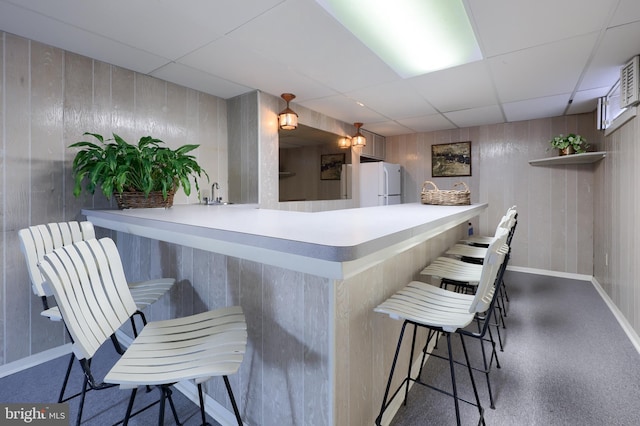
{"x":385,"y":191}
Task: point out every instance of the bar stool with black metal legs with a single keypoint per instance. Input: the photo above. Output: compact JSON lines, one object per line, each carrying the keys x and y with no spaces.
{"x":38,"y":240}
{"x":465,"y":277}
{"x":483,"y":321}
{"x":440,"y":310}
{"x":90,"y":287}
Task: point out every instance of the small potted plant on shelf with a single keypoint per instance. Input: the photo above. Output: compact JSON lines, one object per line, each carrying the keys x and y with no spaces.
{"x":142,"y":175}
{"x":570,"y":144}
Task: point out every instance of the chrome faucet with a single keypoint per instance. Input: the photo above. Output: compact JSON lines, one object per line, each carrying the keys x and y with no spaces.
{"x":214,"y":199}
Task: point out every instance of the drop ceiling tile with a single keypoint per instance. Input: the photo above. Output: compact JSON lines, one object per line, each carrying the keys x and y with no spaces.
{"x":466,"y":86}
{"x":343,"y":108}
{"x":199,"y":80}
{"x":586,"y":100}
{"x":316,"y":46}
{"x":530,"y":109}
{"x":427,"y":123}
{"x":507,"y":26}
{"x":396,"y":99}
{"x":24,"y":23}
{"x":627,"y":11}
{"x":273,"y":77}
{"x":476,"y":116}
{"x":618,"y":45}
{"x":541,"y":71}
{"x":388,"y":128}
{"x":165,"y":28}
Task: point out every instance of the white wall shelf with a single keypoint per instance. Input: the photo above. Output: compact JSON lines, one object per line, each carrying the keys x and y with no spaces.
{"x":585,"y":158}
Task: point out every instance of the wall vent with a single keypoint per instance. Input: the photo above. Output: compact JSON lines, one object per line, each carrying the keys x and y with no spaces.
{"x":629,"y":89}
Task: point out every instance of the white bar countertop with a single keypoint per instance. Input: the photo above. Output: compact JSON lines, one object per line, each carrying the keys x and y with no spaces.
{"x":333,"y":243}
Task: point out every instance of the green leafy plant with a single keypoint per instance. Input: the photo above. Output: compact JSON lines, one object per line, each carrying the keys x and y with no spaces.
{"x":116,"y":166}
{"x":577,"y":142}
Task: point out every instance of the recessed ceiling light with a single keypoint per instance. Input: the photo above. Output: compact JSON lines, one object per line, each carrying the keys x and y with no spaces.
{"x":413,"y":37}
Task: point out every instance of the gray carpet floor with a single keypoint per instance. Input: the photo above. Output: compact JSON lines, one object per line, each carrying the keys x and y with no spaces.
{"x":566,"y":361}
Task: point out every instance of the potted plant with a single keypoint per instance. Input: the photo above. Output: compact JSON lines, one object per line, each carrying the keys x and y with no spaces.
{"x":570,"y":144}
{"x":142,"y":175}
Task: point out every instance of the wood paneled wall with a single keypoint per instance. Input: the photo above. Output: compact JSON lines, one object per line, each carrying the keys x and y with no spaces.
{"x":555,"y":204}
{"x":616,"y":224}
{"x":49,"y":98}
{"x":244,"y":150}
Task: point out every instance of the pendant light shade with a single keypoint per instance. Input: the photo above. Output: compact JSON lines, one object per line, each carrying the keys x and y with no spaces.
{"x":288,"y":119}
{"x":344,"y":142}
{"x":358,"y":139}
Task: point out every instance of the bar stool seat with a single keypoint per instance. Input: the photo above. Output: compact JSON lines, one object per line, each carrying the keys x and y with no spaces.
{"x":454,"y":272}
{"x":467,"y":251}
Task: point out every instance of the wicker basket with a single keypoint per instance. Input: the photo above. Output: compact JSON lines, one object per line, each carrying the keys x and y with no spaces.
{"x":137,"y":200}
{"x":441,"y":197}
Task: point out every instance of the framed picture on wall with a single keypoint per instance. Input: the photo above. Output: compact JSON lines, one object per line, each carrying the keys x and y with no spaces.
{"x":331,"y":166}
{"x":451,"y":159}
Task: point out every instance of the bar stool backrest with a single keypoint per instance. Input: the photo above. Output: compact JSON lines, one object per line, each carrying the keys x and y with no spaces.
{"x":502,"y":224}
{"x":490,"y":267}
{"x":38,"y":240}
{"x":90,"y":287}
{"x":508,"y":221}
{"x":511,"y":217}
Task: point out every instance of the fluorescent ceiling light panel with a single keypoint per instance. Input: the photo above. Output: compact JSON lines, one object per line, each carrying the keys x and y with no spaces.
{"x":413,"y":37}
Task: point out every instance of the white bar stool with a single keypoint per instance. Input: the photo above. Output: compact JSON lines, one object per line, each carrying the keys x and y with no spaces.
{"x":444,"y":311}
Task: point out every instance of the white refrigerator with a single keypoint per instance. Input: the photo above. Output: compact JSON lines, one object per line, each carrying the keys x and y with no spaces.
{"x":379,"y":184}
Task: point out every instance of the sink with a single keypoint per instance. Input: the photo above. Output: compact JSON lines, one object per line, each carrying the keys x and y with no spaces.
{"x":207,"y":202}
{"x":219,"y":203}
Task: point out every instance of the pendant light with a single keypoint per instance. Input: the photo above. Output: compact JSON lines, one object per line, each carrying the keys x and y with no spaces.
{"x":288,"y":119}
{"x":358,"y":139}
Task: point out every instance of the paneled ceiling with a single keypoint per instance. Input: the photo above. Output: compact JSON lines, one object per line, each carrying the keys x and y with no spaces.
{"x":542,"y":58}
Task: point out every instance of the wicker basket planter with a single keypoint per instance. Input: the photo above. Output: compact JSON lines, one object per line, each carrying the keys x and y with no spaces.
{"x":137,"y":200}
{"x":442,"y":197}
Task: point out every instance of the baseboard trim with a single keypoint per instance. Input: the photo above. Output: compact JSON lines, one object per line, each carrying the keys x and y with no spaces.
{"x":33,"y":360}
{"x":546,"y":272}
{"x":624,"y":323}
